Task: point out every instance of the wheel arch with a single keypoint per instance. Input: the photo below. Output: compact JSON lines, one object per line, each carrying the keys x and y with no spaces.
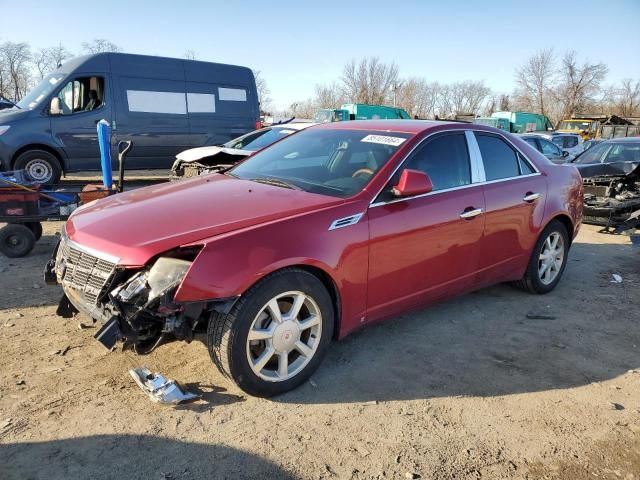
{"x":566,"y":221}
{"x":39,"y":146}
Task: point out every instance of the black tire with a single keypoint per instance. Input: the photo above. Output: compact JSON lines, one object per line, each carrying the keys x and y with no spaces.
{"x":36,"y":228}
{"x":227,"y":334}
{"x":531,"y":281}
{"x":42,"y":166}
{"x":16,"y":240}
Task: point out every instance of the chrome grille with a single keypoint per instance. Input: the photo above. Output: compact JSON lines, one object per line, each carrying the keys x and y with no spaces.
{"x":83,"y":272}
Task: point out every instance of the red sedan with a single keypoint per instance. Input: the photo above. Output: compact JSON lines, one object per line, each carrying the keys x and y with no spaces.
{"x":327,"y":230}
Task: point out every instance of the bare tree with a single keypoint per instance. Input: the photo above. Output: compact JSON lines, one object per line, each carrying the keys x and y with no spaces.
{"x":369,"y":80}
{"x":189,"y":54}
{"x":419,"y":97}
{"x":328,"y":96}
{"x":534,"y":80}
{"x":579,"y":84}
{"x":48,"y":59}
{"x":627,"y":98}
{"x":462,"y":98}
{"x":505,"y":103}
{"x":15,"y":59}
{"x":263,"y":91}
{"x":99,"y":45}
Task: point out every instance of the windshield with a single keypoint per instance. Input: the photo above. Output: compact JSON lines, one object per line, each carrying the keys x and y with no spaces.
{"x":339,"y":163}
{"x":594,"y":154}
{"x":578,"y":126}
{"x":42,"y":90}
{"x":259,"y":139}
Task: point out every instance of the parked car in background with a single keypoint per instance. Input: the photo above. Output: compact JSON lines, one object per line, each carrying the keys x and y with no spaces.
{"x":197,"y":161}
{"x":549,"y":149}
{"x":590,"y":143}
{"x":6,"y":103}
{"x":568,"y":142}
{"x":611,"y":175}
{"x":333,"y":228}
{"x":163,"y":105}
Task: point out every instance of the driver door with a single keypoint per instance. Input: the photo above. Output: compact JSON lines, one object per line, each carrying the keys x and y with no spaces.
{"x":425,"y":248}
{"x":73,"y":128}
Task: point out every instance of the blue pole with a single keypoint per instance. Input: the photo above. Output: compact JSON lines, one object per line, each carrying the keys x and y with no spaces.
{"x":104,"y":140}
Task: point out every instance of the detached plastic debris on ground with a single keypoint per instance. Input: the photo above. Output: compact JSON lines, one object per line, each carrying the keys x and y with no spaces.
{"x":159,"y":389}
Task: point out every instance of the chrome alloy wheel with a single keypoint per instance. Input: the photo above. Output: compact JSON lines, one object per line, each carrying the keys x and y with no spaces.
{"x":39,"y":170}
{"x":551,"y":258}
{"x":284,"y":336}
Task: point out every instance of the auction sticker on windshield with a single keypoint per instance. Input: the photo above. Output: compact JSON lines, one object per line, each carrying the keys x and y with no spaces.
{"x":384,"y":140}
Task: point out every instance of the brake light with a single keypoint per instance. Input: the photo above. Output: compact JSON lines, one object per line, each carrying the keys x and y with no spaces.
{"x":258,"y":124}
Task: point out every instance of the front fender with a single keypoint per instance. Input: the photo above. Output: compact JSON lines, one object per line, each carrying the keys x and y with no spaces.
{"x":228,"y":265}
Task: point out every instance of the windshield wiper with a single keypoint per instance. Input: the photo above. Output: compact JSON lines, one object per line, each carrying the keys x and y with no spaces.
{"x":276,"y":182}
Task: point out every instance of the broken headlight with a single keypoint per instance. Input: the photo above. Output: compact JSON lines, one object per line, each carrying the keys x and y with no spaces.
{"x":146,"y":286}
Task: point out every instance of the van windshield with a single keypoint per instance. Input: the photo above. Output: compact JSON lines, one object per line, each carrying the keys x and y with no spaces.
{"x":41,"y":91}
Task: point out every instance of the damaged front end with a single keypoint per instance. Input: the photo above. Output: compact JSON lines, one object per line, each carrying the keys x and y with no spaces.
{"x":611,"y":198}
{"x":199,"y":161}
{"x":135,"y":306}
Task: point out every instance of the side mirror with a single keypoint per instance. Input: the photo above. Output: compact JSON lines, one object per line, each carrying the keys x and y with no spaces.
{"x":412,"y":182}
{"x":54,"y":106}
{"x":565,"y":153}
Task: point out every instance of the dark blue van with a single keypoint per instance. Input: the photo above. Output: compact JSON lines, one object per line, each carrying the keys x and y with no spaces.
{"x":164,"y":105}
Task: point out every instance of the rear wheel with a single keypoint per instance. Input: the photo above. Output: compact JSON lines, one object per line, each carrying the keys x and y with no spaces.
{"x":42,"y":166}
{"x":16,"y":240}
{"x":548,"y":260}
{"x":274,"y":338}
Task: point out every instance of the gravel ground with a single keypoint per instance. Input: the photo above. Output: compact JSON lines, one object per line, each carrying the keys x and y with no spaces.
{"x":467,"y":389}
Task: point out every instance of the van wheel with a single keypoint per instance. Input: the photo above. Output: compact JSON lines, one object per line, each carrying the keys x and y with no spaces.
{"x":548,"y":260}
{"x":275,"y":336}
{"x":41,"y":166}
{"x":16,"y":240}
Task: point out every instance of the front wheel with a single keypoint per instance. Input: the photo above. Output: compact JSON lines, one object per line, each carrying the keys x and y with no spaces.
{"x":548,"y":259}
{"x":274,"y":338}
{"x":41,"y":166}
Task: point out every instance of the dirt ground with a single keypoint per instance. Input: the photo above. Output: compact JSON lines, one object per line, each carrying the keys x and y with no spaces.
{"x":467,"y":389}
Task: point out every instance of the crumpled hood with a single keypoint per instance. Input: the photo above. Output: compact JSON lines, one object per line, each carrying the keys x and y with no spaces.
{"x":138,"y":225}
{"x":194,"y":154}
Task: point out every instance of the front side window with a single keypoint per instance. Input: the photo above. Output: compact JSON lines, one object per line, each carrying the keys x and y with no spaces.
{"x":445,"y":159}
{"x":549,"y":148}
{"x":532,"y":142}
{"x":499,"y":159}
{"x":337,"y":162}
{"x":82,"y":94}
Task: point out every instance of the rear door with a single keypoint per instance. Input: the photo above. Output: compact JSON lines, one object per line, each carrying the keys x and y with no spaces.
{"x":514,"y":193}
{"x":426,"y":247}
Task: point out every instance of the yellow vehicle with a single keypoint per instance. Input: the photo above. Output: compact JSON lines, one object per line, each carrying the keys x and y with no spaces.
{"x":586,"y":127}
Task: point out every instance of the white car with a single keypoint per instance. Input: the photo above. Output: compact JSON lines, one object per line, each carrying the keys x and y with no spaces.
{"x":569,"y":142}
{"x":544,"y":144}
{"x":197,"y":161}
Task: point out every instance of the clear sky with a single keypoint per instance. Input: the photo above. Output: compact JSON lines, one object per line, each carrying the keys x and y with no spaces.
{"x":296,"y":44}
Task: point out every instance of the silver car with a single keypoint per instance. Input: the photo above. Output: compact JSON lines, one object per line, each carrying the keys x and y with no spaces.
{"x":548,"y":148}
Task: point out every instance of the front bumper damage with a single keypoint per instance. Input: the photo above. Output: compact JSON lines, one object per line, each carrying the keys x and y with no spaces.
{"x":611,"y":200}
{"x":134,"y":305}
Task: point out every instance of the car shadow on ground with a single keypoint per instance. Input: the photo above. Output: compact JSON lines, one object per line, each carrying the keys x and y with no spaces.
{"x":483,"y":344}
{"x":131,"y":457}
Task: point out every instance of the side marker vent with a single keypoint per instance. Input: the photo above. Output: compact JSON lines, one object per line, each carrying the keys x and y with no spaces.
{"x":346,"y":221}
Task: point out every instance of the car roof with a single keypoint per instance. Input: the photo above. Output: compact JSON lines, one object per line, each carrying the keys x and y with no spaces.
{"x":624,"y":140}
{"x":391,"y":125}
{"x":293,"y":126}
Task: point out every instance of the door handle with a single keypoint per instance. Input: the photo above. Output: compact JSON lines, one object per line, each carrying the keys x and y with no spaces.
{"x":531,"y":197}
{"x":474,"y":212}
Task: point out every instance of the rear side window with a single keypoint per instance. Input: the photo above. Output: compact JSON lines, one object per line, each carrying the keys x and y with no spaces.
{"x":532,"y":142}
{"x":445,"y":159}
{"x":500,"y":160}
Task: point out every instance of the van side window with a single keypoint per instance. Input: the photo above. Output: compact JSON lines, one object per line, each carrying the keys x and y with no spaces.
{"x":83,"y":94}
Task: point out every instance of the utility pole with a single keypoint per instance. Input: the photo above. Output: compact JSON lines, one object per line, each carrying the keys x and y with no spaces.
{"x":395,"y":87}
